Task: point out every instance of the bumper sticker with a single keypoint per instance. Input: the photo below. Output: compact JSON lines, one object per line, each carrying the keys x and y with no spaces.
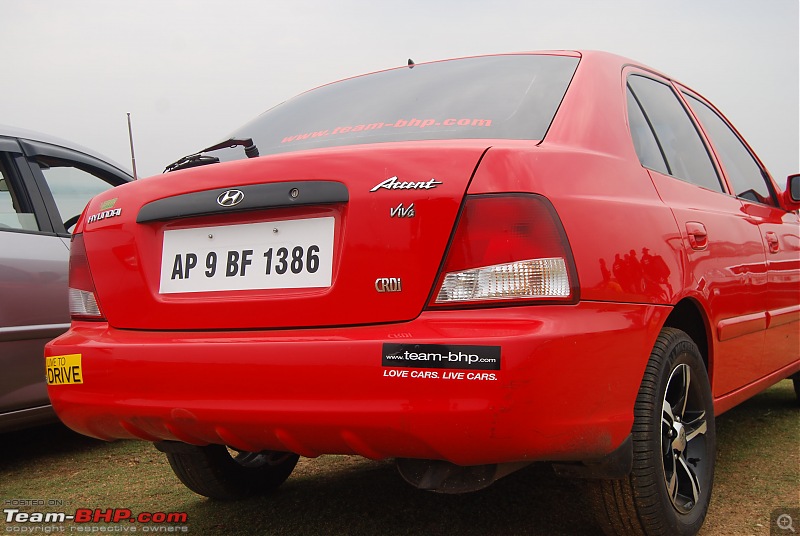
{"x":64,"y":369}
{"x":441,"y":356}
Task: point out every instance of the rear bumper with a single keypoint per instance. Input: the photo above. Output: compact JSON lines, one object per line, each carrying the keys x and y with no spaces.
{"x":564,"y":388}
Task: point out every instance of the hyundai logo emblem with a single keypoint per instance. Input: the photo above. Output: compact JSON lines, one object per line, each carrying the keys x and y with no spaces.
{"x":231,"y":198}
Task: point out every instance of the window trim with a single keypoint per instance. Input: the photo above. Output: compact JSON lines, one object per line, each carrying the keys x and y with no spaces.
{"x":629,"y":89}
{"x":631,"y":70}
{"x":105,"y":172}
{"x":684,"y":93}
{"x":21,"y":179}
{"x":32,"y":149}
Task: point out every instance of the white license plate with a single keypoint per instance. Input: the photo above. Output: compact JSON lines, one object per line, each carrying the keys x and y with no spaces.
{"x":251,"y":256}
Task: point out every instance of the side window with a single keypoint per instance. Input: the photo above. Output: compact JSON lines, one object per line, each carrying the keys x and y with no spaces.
{"x":71,"y":187}
{"x":680,"y":143}
{"x":745,"y":174}
{"x":14,"y":214}
{"x":644,"y":141}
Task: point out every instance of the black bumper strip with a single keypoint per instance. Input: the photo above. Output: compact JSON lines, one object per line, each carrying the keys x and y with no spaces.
{"x":256,"y":197}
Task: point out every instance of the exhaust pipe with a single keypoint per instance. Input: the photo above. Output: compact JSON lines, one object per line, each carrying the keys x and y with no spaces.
{"x":446,"y":477}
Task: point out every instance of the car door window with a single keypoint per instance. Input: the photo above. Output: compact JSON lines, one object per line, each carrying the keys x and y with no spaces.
{"x":644,"y":140}
{"x":14,"y":214}
{"x":683,"y":148}
{"x":744,"y":173}
{"x":71,"y":187}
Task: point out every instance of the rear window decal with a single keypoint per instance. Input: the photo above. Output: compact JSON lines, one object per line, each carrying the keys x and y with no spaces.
{"x":400,"y":123}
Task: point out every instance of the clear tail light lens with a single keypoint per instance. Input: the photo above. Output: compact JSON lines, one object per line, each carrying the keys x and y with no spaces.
{"x":532,"y":278}
{"x":83,"y":303}
{"x":507,"y":247}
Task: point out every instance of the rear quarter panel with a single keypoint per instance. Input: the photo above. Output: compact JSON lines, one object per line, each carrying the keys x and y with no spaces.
{"x":625,"y":240}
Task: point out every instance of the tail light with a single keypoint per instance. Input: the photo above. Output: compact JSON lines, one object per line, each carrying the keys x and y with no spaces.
{"x":506,"y":249}
{"x":82,"y":295}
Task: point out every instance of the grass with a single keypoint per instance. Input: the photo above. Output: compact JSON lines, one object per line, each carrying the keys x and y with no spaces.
{"x":758,"y":469}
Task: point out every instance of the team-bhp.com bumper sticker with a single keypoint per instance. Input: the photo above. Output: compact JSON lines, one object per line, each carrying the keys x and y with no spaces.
{"x":445,"y":358}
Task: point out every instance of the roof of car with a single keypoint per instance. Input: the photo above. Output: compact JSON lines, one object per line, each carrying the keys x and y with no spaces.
{"x":22,"y":133}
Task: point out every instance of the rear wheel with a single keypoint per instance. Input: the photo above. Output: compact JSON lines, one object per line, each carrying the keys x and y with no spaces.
{"x":796,"y":381}
{"x":221,"y":473}
{"x":674,"y":442}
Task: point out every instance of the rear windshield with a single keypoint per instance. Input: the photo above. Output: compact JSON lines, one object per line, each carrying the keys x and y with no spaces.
{"x":511,"y":97}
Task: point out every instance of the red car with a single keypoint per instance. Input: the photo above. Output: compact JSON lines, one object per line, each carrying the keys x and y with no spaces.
{"x":466,"y":265}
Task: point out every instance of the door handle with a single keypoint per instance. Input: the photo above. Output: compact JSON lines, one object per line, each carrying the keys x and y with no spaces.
{"x":772,"y":242}
{"x":698,"y":237}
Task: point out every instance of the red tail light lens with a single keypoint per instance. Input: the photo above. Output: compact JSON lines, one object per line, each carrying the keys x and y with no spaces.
{"x":509,"y":247}
{"x":82,"y":295}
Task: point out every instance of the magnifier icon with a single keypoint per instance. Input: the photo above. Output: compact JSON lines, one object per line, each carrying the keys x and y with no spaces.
{"x":784,"y":522}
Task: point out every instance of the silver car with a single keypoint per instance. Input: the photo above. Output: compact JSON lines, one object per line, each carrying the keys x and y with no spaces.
{"x":44,"y":185}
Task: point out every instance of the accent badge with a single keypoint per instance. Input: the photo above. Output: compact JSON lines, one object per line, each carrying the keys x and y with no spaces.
{"x":393,"y":183}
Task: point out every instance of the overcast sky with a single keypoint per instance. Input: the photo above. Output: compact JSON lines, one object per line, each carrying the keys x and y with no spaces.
{"x":190,"y":72}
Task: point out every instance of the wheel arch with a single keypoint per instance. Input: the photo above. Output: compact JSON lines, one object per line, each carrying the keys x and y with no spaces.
{"x":689,"y":317}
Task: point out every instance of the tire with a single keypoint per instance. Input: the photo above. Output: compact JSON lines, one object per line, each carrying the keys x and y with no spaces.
{"x":216,"y":472}
{"x":796,"y":381}
{"x":674,"y":445}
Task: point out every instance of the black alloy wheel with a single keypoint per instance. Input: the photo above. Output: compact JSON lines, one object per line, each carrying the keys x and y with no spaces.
{"x":674,"y":447}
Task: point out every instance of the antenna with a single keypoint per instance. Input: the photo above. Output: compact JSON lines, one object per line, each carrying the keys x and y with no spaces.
{"x":130,"y":137}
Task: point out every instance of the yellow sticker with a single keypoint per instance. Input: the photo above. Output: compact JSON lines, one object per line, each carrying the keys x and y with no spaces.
{"x":64,"y":369}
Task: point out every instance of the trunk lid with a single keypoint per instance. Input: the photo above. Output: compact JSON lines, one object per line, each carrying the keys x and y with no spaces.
{"x":331,"y":237}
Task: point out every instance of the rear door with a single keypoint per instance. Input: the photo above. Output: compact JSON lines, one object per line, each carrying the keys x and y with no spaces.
{"x":780,"y":232}
{"x":42,"y":188}
{"x":725,"y":255}
{"x":33,"y":285}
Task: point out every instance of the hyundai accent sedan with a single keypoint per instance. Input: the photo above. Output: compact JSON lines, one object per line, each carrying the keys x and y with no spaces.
{"x":467,"y":266}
